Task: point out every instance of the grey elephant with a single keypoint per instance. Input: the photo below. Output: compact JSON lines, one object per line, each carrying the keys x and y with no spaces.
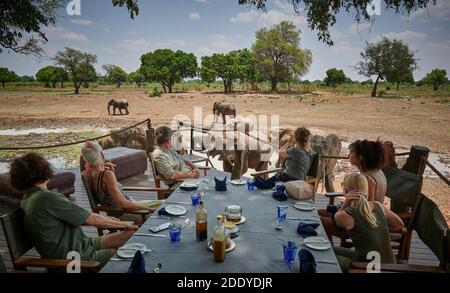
{"x":120,"y":104}
{"x":224,"y":109}
{"x":136,"y":138}
{"x":329,"y":146}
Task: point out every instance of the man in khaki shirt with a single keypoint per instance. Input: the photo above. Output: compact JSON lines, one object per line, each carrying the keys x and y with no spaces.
{"x":170,"y":164}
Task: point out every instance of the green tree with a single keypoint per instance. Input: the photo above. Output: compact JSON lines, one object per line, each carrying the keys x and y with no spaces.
{"x":249,"y":72}
{"x":436,"y":77}
{"x":115,"y":74}
{"x":79,"y":65}
{"x":334,"y":77}
{"x":383,"y":60}
{"x":45,"y":75}
{"x":7,"y":76}
{"x":321,"y":15}
{"x":27,"y":78}
{"x":136,"y":77}
{"x":228,"y":67}
{"x":168,"y":67}
{"x":22,"y":22}
{"x":278,"y":55}
{"x":51,"y":75}
{"x":208,"y":70}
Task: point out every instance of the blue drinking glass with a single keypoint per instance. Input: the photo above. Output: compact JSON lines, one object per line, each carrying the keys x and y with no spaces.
{"x":195,"y":197}
{"x":250,"y":185}
{"x":289,"y":253}
{"x":175,"y":233}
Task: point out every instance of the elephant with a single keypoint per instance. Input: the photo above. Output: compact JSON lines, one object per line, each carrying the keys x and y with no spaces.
{"x":329,"y":146}
{"x":256,"y":154}
{"x":136,"y":138}
{"x":224,"y":109}
{"x":119,"y":104}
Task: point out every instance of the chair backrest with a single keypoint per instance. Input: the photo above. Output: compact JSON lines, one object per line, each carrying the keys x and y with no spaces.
{"x":16,"y":236}
{"x":403,"y":187}
{"x":432,"y":228}
{"x":90,"y":193}
{"x":2,"y":266}
{"x":314,"y":169}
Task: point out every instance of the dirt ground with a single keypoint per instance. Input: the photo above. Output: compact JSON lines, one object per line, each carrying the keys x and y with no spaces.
{"x":406,"y":121}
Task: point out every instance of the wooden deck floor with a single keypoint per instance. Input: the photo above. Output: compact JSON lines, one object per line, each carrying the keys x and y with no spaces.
{"x":420,"y":254}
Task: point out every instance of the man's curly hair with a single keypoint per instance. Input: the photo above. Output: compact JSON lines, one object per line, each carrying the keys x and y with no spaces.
{"x":28,"y":170}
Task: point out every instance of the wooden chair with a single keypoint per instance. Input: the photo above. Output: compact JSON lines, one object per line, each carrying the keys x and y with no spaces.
{"x":19,"y":244}
{"x":432,"y":228}
{"x":98,"y":208}
{"x":163,"y":193}
{"x":313,"y":173}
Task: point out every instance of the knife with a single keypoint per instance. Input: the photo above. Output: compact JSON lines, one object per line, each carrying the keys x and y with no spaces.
{"x":151,"y":235}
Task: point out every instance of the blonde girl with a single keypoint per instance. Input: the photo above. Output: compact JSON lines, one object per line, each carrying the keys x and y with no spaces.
{"x":367,"y":223}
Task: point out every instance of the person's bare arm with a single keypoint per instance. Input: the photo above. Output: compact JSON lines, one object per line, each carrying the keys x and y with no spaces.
{"x":371,"y":184}
{"x":394,"y":221}
{"x":344,"y":220}
{"x":101,"y":221}
{"x":112,"y":187}
{"x":190,"y":164}
{"x":193,"y":174}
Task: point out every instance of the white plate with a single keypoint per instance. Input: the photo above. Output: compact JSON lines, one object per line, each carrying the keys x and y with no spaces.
{"x":241,"y":221}
{"x":317,"y":243}
{"x":238,"y":182}
{"x":129,"y":250}
{"x":231,"y":248}
{"x":304,"y":206}
{"x":176,"y":210}
{"x":188,"y":186}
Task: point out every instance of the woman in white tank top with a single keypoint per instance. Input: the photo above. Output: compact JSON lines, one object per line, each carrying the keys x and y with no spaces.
{"x":368,"y":157}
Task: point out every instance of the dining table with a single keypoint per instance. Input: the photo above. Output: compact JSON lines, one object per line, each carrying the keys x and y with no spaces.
{"x":258,"y":246}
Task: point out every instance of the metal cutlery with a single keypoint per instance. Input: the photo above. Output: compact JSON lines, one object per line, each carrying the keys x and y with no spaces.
{"x":120,"y":259}
{"x":134,"y":249}
{"x":178,"y":202}
{"x":168,"y":218}
{"x":150,"y":235}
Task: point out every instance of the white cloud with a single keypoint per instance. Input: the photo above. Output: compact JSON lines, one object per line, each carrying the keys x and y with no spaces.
{"x":82,"y":21}
{"x":245,"y":17}
{"x":440,"y":11}
{"x":171,"y":44}
{"x":407,"y":35}
{"x":205,"y":51}
{"x":194,"y":16}
{"x":62,"y":33}
{"x":344,"y":47}
{"x":137,"y":45}
{"x":283,"y":12}
{"x":224,"y":43}
{"x":358,"y":27}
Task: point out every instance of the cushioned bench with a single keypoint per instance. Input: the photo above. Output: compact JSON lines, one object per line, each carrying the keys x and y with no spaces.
{"x":130,"y":162}
{"x":62,"y":181}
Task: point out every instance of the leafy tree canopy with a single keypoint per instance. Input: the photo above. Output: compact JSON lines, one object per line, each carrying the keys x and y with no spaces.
{"x":321,"y":15}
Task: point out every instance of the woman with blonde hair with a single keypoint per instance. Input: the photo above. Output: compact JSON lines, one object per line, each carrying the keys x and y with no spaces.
{"x":106,"y":188}
{"x":367,"y":223}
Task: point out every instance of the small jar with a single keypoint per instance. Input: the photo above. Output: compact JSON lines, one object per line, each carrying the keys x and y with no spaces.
{"x":233,"y":213}
{"x":230,"y":228}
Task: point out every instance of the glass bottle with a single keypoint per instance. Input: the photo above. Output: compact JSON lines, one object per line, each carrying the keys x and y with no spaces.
{"x":201,"y":222}
{"x":219,"y":239}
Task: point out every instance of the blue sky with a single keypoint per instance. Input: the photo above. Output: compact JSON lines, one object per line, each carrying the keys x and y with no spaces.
{"x":207,"y":26}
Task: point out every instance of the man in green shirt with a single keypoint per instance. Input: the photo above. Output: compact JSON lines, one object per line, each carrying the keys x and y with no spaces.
{"x":54,"y":222}
{"x":170,"y":164}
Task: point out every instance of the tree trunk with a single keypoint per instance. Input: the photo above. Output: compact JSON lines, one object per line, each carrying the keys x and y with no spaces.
{"x":77,"y":88}
{"x":3,"y":84}
{"x":435,"y":86}
{"x":138,"y":84}
{"x":274,"y":84}
{"x":398,"y":85}
{"x":62,"y":84}
{"x":225,"y":88}
{"x":164,"y":87}
{"x":86,"y":84}
{"x":118,"y":84}
{"x":169,"y":85}
{"x":229,"y":85}
{"x":375,"y":85}
{"x":54,"y":85}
